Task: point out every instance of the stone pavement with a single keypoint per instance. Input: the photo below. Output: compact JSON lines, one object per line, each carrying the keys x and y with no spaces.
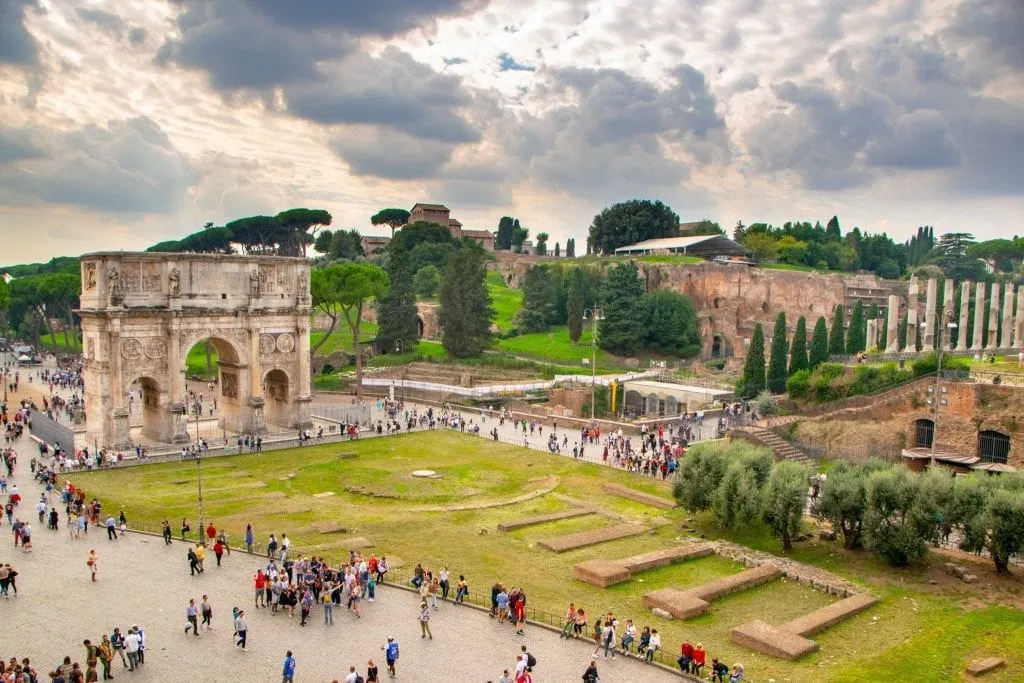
{"x":144,"y":581}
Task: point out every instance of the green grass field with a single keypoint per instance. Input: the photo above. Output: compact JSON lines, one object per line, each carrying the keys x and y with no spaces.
{"x":55,"y":343}
{"x":554,"y":346}
{"x":505,"y":300}
{"x":919,"y":632}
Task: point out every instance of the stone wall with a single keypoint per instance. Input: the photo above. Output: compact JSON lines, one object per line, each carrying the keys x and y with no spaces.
{"x":969,"y":409}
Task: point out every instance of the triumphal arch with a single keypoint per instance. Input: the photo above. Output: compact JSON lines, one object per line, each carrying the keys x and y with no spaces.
{"x":142,"y":312}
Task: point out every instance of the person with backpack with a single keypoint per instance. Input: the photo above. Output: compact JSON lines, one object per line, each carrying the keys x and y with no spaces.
{"x":590,"y":675}
{"x":391,"y":655}
{"x":288,"y":666}
{"x":353,"y":676}
{"x":531,"y":661}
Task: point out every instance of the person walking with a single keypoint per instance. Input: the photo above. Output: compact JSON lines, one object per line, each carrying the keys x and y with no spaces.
{"x":207,"y":611}
{"x":192,"y":618}
{"x":288,"y":668}
{"x":391,"y":655}
{"x":249,"y":538}
{"x":93,"y":562}
{"x":218,"y":550}
{"x":241,"y":629}
{"x":166,"y":531}
{"x":425,"y":621}
{"x":328,"y":604}
{"x":111,"y":528}
{"x":371,"y":672}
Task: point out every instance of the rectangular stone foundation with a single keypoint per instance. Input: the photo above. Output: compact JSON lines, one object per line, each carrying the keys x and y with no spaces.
{"x":604,"y":573}
{"x":790,"y":641}
{"x":601,"y":573}
{"x":694,"y":602}
{"x":765,"y":638}
{"x":830,"y":615}
{"x":583,"y":539}
{"x":541,"y":519}
{"x":639,"y":496}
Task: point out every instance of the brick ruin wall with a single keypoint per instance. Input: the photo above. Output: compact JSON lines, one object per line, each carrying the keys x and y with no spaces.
{"x":731,"y":299}
{"x":970,"y":409}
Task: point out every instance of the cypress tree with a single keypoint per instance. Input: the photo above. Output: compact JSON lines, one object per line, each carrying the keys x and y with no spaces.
{"x":621,"y":329}
{"x":574,"y":307}
{"x":857,"y":338}
{"x":570,"y":248}
{"x":466,"y":311}
{"x":753,"y":381}
{"x":397,"y":315}
{"x":837,"y":337}
{"x":819,"y":344}
{"x":901,"y":334}
{"x":798,"y":354}
{"x":883,"y":332}
{"x":777,"y":363}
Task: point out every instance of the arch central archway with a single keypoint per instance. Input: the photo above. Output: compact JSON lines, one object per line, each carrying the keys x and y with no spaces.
{"x":212,"y":399}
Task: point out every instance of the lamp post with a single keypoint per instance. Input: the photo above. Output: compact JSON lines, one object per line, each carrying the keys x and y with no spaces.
{"x":947,"y":318}
{"x":593,"y":313}
{"x":199,"y":469}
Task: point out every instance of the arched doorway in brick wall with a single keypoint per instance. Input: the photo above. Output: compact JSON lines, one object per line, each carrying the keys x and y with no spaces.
{"x":924,"y":433}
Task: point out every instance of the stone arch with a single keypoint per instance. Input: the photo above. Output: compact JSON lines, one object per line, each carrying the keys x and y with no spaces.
{"x":419,"y":327}
{"x":993,"y":446}
{"x":147,"y":401}
{"x":142,"y":313}
{"x":924,"y":432}
{"x":653,"y":403}
{"x":277,"y":394}
{"x":633,"y":403}
{"x":671,"y":406}
{"x":719,"y":346}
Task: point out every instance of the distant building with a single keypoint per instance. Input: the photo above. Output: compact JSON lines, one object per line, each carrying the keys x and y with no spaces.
{"x":485,"y":238}
{"x":431,"y":213}
{"x":705,"y":246}
{"x":374,"y":243}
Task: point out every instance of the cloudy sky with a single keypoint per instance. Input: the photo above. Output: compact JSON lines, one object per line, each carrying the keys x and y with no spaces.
{"x":125,"y":122}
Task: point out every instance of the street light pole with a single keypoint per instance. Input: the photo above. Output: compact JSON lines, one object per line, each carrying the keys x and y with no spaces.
{"x":199,"y":480}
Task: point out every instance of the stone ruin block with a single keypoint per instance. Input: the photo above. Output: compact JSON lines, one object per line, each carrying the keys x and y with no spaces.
{"x":601,"y":573}
{"x":982,"y":666}
{"x":767,"y":639}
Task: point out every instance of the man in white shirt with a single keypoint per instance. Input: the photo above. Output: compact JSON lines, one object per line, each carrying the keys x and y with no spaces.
{"x":352,"y":675}
{"x":131,"y":648}
{"x":520,"y":666}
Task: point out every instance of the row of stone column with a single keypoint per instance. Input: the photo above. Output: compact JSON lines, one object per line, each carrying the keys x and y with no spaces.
{"x":1011,"y":335}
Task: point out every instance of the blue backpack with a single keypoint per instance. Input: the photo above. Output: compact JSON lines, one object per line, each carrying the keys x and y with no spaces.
{"x":392,"y":651}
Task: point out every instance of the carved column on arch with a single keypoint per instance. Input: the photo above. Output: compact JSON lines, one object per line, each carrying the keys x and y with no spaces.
{"x":122,"y":429}
{"x":179,"y":422}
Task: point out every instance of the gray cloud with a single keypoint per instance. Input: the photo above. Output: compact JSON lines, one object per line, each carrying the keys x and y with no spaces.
{"x":898,"y":104}
{"x":17,"y":144}
{"x":137,"y":36}
{"x":393,"y":91}
{"x":259,"y":44}
{"x":242,"y":49}
{"x":384,"y":18}
{"x":105,"y":20}
{"x":127,"y":166}
{"x":996,"y":29}
{"x":17,"y":46}
{"x":370,"y":152}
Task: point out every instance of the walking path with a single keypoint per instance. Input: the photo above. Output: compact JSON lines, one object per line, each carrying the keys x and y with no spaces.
{"x":143,"y":581}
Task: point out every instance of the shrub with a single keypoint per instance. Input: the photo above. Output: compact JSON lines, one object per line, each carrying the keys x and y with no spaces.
{"x":699,"y":475}
{"x":785,"y":500}
{"x":798,"y":383}
{"x":765,"y":403}
{"x":896,"y":525}
{"x":328,"y":369}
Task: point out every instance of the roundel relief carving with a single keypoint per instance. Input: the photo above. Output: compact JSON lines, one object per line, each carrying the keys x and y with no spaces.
{"x":155,"y":348}
{"x":267,"y":344}
{"x":285,"y":343}
{"x":131,"y":349}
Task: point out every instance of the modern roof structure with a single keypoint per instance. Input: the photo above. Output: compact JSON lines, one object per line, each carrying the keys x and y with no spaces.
{"x":707,"y":246}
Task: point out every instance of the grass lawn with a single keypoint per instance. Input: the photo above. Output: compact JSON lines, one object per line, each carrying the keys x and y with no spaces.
{"x":341,"y":338}
{"x":922,"y":632}
{"x":505,"y":300}
{"x":56,"y":342}
{"x":554,"y":346}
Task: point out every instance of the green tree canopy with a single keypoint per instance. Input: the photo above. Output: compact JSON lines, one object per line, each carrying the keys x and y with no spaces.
{"x":671,"y":323}
{"x":700,"y":474}
{"x":819,"y":343}
{"x":798,"y":352}
{"x":785,"y":500}
{"x":856,"y":338}
{"x":299,"y":228}
{"x":837,"y":338}
{"x":503,"y":240}
{"x":393,"y":218}
{"x":346,"y":288}
{"x":621,"y":328}
{"x":629,"y":222}
{"x":427,"y":281}
{"x":753,"y":380}
{"x":466,"y":312}
{"x":539,"y":299}
{"x":397,"y":315}
{"x":777,"y":371}
{"x":541,"y":247}
{"x":574,"y":305}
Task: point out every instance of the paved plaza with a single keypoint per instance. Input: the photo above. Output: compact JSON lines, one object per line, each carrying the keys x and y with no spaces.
{"x":144,"y":581}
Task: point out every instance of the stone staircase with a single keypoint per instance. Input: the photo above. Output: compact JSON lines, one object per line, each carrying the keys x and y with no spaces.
{"x":760,"y":436}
